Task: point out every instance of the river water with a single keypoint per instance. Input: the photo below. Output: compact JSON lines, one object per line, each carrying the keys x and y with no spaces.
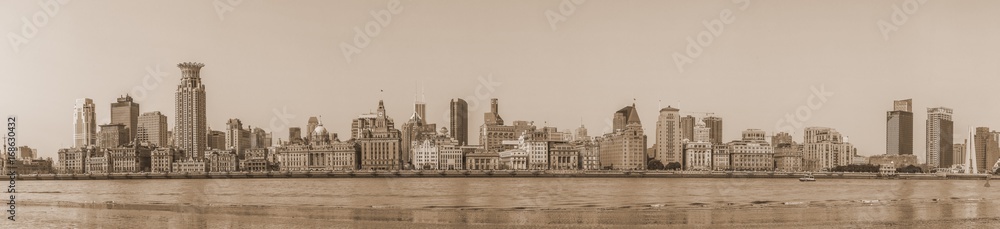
{"x":504,"y":202}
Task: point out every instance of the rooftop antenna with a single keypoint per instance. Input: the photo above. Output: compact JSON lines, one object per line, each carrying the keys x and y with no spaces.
{"x":423,"y":91}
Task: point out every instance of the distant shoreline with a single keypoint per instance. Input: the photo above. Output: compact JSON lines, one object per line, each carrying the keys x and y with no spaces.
{"x":498,"y":174}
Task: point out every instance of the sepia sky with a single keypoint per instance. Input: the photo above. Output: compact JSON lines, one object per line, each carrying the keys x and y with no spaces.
{"x":273,"y":64}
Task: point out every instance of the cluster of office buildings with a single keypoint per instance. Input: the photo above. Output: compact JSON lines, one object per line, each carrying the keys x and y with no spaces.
{"x":141,"y":142}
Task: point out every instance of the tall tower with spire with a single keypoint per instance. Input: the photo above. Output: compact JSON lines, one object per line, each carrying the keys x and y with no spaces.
{"x":190,"y":125}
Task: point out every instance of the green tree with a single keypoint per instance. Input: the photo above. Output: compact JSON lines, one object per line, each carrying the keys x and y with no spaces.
{"x":910,"y":169}
{"x":654,"y":165}
{"x":673,"y":166}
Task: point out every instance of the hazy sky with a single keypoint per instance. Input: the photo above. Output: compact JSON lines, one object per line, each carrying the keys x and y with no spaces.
{"x":287,"y":56}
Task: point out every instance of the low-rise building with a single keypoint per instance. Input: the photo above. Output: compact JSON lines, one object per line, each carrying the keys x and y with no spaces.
{"x":162,"y":159}
{"x":698,"y":156}
{"x":788,"y":157}
{"x":721,"y":158}
{"x":255,"y":160}
{"x":482,"y":161}
{"x":450,"y":157}
{"x":221,"y":160}
{"x":130,"y":159}
{"x":514,"y":159}
{"x":564,"y":156}
{"x":72,"y":160}
{"x":190,"y":165}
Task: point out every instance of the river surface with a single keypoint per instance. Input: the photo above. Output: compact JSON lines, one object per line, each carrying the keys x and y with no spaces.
{"x":504,"y":202}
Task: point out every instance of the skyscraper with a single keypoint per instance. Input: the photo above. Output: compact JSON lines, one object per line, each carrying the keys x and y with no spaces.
{"x":126,"y":112}
{"x":459,"y":115}
{"x":668,"y":136}
{"x":237,"y":138}
{"x":687,"y":127}
{"x":899,"y":129}
{"x":85,"y":126}
{"x":982,"y":142}
{"x":190,"y":127}
{"x":714,"y":123}
{"x":152,"y":128}
{"x":940,"y":134}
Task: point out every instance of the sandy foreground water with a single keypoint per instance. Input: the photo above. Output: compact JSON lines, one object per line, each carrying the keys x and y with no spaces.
{"x":952,"y":213}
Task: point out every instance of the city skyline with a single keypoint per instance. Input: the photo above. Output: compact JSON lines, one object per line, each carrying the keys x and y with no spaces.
{"x":591,"y":72}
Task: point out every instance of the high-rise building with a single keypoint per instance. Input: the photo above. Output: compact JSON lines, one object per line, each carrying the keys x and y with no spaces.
{"x":687,"y":127}
{"x":982,"y":147}
{"x":112,"y":135}
{"x":190,"y":126}
{"x":126,"y":112}
{"x":215,"y":140}
{"x":825,"y":148}
{"x":415,"y":130}
{"x":899,"y":129}
{"x":903,"y":105}
{"x":379,"y":140}
{"x":295,"y":136}
{"x":940,"y":134}
{"x":714,"y":123}
{"x":237,"y":138}
{"x":84,"y":123}
{"x":152,"y":128}
{"x":958,"y":154}
{"x":669,"y":148}
{"x":259,"y":139}
{"x":992,"y":152}
{"x":459,"y":117}
{"x":493,"y":131}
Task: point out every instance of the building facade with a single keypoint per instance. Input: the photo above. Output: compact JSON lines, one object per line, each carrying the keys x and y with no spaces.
{"x":126,"y":112}
{"x":459,"y":118}
{"x":380,"y":141}
{"x":899,"y":128}
{"x":824,"y":148}
{"x":940,"y":134}
{"x":669,"y":142}
{"x":152,"y":129}
{"x":190,"y":125}
{"x":112,"y":135}
{"x":84,"y":123}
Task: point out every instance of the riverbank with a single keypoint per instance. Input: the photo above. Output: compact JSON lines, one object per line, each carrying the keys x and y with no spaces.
{"x":497,"y":173}
{"x":936,"y":214}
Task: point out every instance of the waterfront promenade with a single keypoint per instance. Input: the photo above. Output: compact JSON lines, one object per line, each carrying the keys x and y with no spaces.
{"x":502,"y":173}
